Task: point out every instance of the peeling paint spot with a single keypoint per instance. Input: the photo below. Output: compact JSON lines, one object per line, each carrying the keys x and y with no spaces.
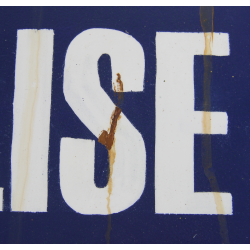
{"x":206,"y":18}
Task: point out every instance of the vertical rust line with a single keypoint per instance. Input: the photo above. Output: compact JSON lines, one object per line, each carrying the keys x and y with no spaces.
{"x":108,"y":140}
{"x":206,"y":18}
{"x":112,"y":155}
{"x":107,"y":235}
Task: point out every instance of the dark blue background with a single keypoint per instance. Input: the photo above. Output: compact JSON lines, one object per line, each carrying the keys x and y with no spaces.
{"x":139,"y":223}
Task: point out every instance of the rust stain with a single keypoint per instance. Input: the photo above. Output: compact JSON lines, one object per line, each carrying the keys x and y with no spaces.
{"x":206,"y":18}
{"x":118,"y":88}
{"x":108,"y":140}
{"x":112,"y":155}
{"x":28,"y":118}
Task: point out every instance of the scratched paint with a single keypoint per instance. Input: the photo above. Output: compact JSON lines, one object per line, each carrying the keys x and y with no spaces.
{"x":108,"y":140}
{"x":206,"y":18}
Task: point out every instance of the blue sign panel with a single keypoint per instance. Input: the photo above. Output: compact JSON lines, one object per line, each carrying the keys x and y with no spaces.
{"x":124,"y":125}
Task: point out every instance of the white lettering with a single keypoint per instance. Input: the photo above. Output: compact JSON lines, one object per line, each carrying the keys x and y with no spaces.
{"x":94,"y":108}
{"x":177,"y":122}
{"x":31,"y":111}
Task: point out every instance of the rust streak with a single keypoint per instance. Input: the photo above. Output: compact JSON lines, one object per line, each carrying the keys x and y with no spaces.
{"x":118,"y":88}
{"x":108,"y":140}
{"x":206,"y":18}
{"x":112,"y":155}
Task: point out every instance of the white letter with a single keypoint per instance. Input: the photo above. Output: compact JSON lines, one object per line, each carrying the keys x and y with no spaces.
{"x":32,"y":98}
{"x":177,"y":122}
{"x":92,"y":105}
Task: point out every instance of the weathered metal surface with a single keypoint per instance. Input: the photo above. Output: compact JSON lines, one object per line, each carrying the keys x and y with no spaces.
{"x":85,"y":125}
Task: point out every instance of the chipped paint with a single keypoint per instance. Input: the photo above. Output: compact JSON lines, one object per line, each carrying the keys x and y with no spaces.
{"x":206,"y":18}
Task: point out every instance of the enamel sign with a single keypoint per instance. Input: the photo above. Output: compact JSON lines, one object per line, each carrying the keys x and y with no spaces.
{"x":124,"y":125}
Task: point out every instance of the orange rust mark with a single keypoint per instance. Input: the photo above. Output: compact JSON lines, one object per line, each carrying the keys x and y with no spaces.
{"x":120,"y":85}
{"x":206,"y":18}
{"x":208,"y":43}
{"x":112,"y":154}
{"x":118,"y":88}
{"x":108,"y":140}
{"x":206,"y":122}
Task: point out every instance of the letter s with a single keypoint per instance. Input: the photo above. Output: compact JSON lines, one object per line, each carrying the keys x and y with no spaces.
{"x":92,"y":105}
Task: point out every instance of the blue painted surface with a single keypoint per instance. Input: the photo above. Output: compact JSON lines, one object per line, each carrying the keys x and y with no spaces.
{"x":230,"y":91}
